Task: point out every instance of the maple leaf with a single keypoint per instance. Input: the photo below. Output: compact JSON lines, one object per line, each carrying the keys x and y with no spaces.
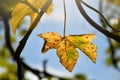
{"x":67,"y":53}
{"x":27,"y":7}
{"x":83,"y":42}
{"x":66,"y":47}
{"x":51,"y":40}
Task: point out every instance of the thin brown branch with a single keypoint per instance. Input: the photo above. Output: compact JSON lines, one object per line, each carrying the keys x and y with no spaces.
{"x":25,"y":38}
{"x":101,"y":15}
{"x":94,"y":24}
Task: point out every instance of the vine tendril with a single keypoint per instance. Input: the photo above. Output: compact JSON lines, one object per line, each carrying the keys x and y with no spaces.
{"x":100,"y":15}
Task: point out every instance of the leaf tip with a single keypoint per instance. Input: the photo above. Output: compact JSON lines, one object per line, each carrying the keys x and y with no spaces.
{"x":94,"y":61}
{"x":43,"y":51}
{"x":39,"y":35}
{"x":14,"y":31}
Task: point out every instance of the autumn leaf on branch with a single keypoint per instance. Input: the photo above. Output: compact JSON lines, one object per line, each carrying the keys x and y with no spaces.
{"x":27,"y":8}
{"x":66,"y":47}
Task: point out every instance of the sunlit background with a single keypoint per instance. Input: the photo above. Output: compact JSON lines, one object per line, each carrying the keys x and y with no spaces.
{"x":76,"y":24}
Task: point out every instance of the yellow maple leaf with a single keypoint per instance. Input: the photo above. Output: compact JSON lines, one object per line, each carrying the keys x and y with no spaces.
{"x":83,"y":42}
{"x":51,"y":40}
{"x":66,"y":47}
{"x":67,"y":53}
{"x":27,"y":7}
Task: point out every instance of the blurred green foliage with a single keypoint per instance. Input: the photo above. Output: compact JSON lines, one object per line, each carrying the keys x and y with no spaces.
{"x":112,"y":13}
{"x":7,"y":62}
{"x":80,"y":77}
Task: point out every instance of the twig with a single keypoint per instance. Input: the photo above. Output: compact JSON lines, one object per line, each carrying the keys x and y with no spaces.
{"x":25,"y":38}
{"x":94,"y":24}
{"x":101,"y":15}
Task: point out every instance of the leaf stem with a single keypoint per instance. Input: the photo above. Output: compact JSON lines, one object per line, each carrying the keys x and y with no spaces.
{"x":64,"y":18}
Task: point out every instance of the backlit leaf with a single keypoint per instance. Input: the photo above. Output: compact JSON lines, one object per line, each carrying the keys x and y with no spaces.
{"x":66,"y":47}
{"x":83,"y":42}
{"x":27,"y":7}
{"x":67,"y":53}
{"x":51,"y":40}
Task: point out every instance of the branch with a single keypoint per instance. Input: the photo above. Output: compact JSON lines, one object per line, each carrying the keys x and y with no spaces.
{"x":25,"y":38}
{"x":101,"y":16}
{"x":94,"y":24}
